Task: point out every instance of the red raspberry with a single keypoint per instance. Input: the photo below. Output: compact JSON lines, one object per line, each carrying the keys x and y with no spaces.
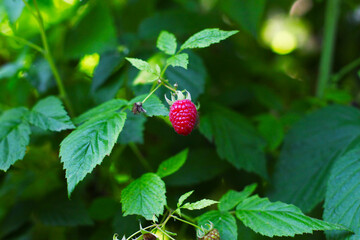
{"x":183,"y":116}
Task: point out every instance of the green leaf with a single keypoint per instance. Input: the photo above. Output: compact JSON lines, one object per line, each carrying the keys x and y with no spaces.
{"x":223,"y":221}
{"x":144,"y":77}
{"x":207,"y":37}
{"x":107,"y":64}
{"x":145,"y":196}
{"x":133,"y":131}
{"x":309,"y":150}
{"x":172,"y":164}
{"x":59,"y":211}
{"x":153,"y":105}
{"x":247,"y":14}
{"x":192,"y":79}
{"x":199,"y":204}
{"x":14,"y":9}
{"x":205,"y":127}
{"x":179,"y":60}
{"x":14,"y":136}
{"x":278,"y":219}
{"x":166,"y":42}
{"x":106,"y":107}
{"x":94,"y":33}
{"x":232,"y":198}
{"x":237,"y":141}
{"x":183,"y":198}
{"x":271,"y":129}
{"x":342,"y":203}
{"x":143,"y":66}
{"x":49,"y":114}
{"x":87,"y":146}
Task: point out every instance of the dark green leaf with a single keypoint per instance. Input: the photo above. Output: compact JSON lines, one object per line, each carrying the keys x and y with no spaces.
{"x":49,"y":114}
{"x":278,"y":219}
{"x":166,"y":42}
{"x":153,"y":105}
{"x":223,"y":221}
{"x":191,"y":79}
{"x":133,"y":131}
{"x":247,"y":14}
{"x":103,"y":208}
{"x":232,"y":198}
{"x":342,"y":204}
{"x":207,"y":37}
{"x":271,"y":129}
{"x":87,"y":146}
{"x":109,"y":106}
{"x":145,"y":196}
{"x":14,"y":136}
{"x":172,"y":164}
{"x":94,"y":33}
{"x":309,"y":151}
{"x":237,"y":141}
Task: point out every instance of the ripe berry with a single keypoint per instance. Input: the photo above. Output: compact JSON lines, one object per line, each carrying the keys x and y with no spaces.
{"x":212,"y":235}
{"x":183,"y":116}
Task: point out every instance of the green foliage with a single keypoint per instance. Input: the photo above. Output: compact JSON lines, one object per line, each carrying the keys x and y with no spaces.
{"x":144,"y":66}
{"x":183,"y":198}
{"x":236,"y":140}
{"x":14,"y":9}
{"x":232,"y":198}
{"x":171,"y":165}
{"x":309,"y":151}
{"x":281,"y":219}
{"x":153,"y":105}
{"x":49,"y":114}
{"x":223,"y":221}
{"x":133,"y":131}
{"x":199,"y":204}
{"x":343,"y":191}
{"x":87,"y":146}
{"x":179,"y":60}
{"x":206,"y":37}
{"x":145,"y":196}
{"x":166,"y":42}
{"x":14,"y":136}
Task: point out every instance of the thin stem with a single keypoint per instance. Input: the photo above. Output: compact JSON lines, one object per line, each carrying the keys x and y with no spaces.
{"x":141,"y":158}
{"x":134,"y":234}
{"x":165,"y":233}
{"x":168,"y":87}
{"x":48,"y":56}
{"x":151,"y":93}
{"x":331,"y":19}
{"x":25,"y":42}
{"x":184,"y":221}
{"x":346,"y":70}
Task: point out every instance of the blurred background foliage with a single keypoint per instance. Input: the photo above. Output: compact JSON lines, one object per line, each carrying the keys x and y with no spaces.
{"x":267,"y":73}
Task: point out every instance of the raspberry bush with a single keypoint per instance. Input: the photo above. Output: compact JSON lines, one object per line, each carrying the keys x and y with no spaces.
{"x":102,"y":135}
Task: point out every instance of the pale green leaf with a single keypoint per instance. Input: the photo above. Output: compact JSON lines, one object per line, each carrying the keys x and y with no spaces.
{"x":232,"y":198}
{"x":145,"y":196}
{"x":14,"y":136}
{"x":310,"y":149}
{"x":342,"y":202}
{"x":278,"y":219}
{"x":49,"y":114}
{"x":184,"y":197}
{"x":224,"y":222}
{"x":237,"y":140}
{"x":153,"y":105}
{"x":87,"y":146}
{"x":172,"y":164}
{"x":207,"y":37}
{"x":142,"y":66}
{"x":179,"y":60}
{"x":14,"y":9}
{"x":166,"y":42}
{"x":109,"y":106}
{"x":199,"y":204}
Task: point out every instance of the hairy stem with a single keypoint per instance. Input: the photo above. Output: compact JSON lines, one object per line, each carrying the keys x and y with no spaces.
{"x":331,"y":19}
